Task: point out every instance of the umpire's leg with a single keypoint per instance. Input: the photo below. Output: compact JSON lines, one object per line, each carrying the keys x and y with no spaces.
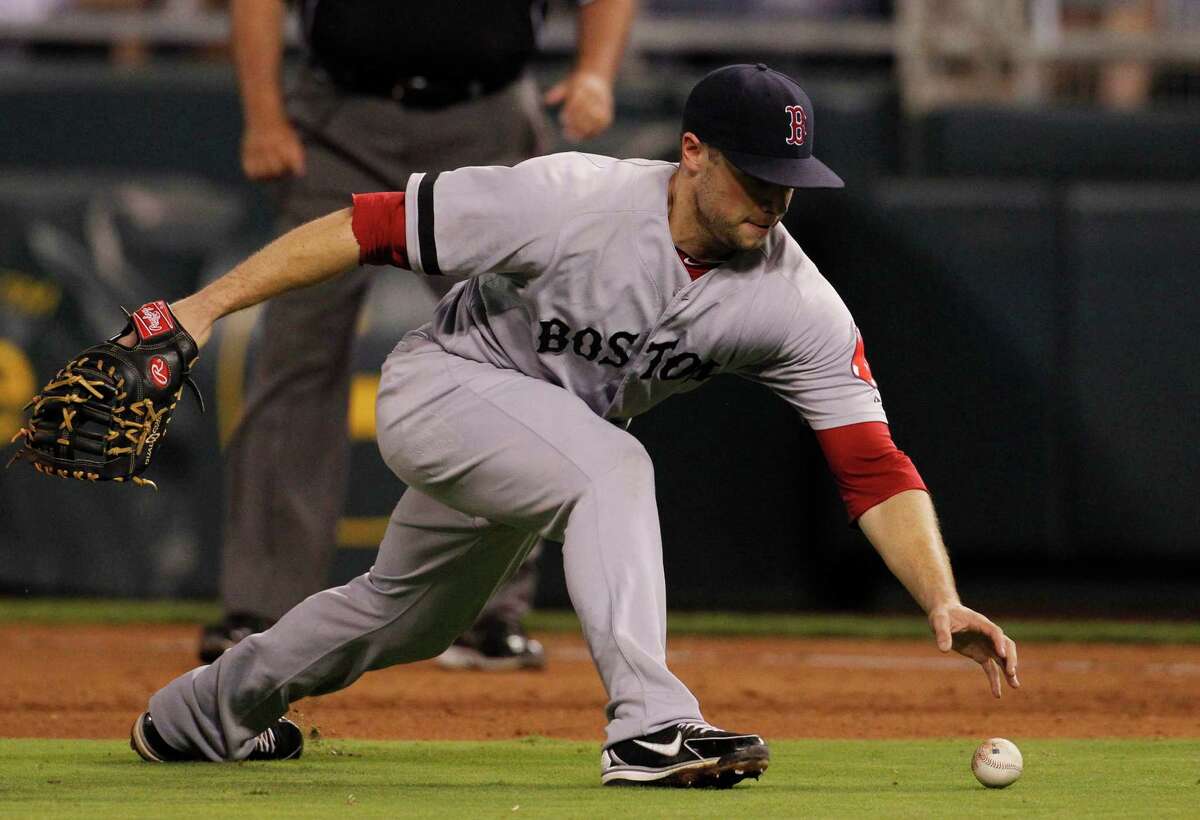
{"x":288,"y":462}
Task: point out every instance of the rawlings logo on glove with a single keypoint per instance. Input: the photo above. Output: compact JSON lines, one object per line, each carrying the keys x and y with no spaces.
{"x":153,"y":320}
{"x":160,"y":372}
{"x":101,"y":416}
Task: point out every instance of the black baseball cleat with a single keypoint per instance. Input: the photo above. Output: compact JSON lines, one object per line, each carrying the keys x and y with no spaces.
{"x":686,"y":755}
{"x":229,"y":631}
{"x":493,"y":646}
{"x":283,"y":741}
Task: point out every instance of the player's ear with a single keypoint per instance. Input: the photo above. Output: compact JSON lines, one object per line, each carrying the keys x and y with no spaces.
{"x":692,"y":152}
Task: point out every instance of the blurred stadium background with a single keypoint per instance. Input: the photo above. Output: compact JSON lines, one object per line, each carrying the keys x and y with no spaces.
{"x":1018,"y":239}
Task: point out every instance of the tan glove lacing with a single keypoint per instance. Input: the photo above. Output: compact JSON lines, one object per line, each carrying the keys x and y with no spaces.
{"x":133,"y":431}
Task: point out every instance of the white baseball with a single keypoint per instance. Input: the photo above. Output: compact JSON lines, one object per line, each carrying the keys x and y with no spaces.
{"x":997,"y":763}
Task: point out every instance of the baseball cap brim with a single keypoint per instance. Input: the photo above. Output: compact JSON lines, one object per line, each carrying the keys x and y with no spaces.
{"x":807,"y":172}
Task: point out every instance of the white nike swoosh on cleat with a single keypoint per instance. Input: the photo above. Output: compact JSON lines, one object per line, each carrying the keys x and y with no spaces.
{"x":666,"y":749}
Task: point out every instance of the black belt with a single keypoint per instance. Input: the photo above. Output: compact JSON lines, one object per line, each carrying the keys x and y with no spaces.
{"x":425,"y":93}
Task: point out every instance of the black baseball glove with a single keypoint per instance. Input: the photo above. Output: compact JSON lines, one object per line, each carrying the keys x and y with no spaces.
{"x":102,"y":416}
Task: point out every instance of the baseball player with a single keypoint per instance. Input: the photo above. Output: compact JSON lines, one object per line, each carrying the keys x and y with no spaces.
{"x":598,"y":287}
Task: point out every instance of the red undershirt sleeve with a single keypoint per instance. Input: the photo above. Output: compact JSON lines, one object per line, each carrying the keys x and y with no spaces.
{"x":867,"y":465}
{"x":378,"y":225}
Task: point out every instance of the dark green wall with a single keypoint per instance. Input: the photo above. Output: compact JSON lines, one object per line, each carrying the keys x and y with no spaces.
{"x":1026,"y":283}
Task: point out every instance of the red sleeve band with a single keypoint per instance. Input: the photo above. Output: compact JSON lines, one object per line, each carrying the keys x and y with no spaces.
{"x":867,"y":465}
{"x":378,"y":225}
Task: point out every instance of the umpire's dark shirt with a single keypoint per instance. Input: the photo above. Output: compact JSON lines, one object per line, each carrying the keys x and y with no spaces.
{"x":378,"y":42}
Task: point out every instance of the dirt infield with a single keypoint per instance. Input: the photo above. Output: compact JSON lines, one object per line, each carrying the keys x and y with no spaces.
{"x":90,"y":681}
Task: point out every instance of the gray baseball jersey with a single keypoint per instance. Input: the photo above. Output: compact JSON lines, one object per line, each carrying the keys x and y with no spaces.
{"x":575,"y":281}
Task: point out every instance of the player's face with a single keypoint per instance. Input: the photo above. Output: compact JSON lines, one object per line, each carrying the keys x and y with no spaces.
{"x":736,"y":209}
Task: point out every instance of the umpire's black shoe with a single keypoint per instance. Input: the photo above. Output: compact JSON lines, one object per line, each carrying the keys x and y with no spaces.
{"x":493,"y":646}
{"x":685,"y":755}
{"x":283,"y":741}
{"x":230,"y":630}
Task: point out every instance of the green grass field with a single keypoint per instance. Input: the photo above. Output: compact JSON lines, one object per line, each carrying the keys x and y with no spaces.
{"x":551,"y":778}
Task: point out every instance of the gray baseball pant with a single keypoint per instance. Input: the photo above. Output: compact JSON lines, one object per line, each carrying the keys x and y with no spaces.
{"x":494,"y":460}
{"x":281,"y":523}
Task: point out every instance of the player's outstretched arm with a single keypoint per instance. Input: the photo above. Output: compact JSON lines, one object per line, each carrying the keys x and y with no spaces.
{"x":903,"y":529}
{"x":101,"y":417}
{"x":312,"y":253}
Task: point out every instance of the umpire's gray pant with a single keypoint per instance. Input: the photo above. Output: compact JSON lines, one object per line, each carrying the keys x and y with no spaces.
{"x":283,"y":500}
{"x":494,"y":460}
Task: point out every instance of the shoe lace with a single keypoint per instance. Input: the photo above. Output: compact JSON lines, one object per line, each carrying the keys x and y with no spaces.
{"x":696,"y":725}
{"x":265,"y":742}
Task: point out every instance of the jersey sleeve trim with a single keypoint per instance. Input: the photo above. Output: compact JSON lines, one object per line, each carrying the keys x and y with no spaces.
{"x":419,"y":225}
{"x":425,"y":225}
{"x":412,"y":213}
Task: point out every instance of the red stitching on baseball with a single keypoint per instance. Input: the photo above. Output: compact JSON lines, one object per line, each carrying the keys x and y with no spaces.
{"x":981,"y":757}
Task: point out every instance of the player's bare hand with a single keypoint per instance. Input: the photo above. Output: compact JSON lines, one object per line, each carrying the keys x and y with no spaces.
{"x":974,"y":636}
{"x":193,"y":318}
{"x":587,"y":104}
{"x":270,"y":151}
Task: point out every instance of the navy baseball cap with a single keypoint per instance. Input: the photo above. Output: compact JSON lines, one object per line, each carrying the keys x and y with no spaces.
{"x":762,"y":121}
